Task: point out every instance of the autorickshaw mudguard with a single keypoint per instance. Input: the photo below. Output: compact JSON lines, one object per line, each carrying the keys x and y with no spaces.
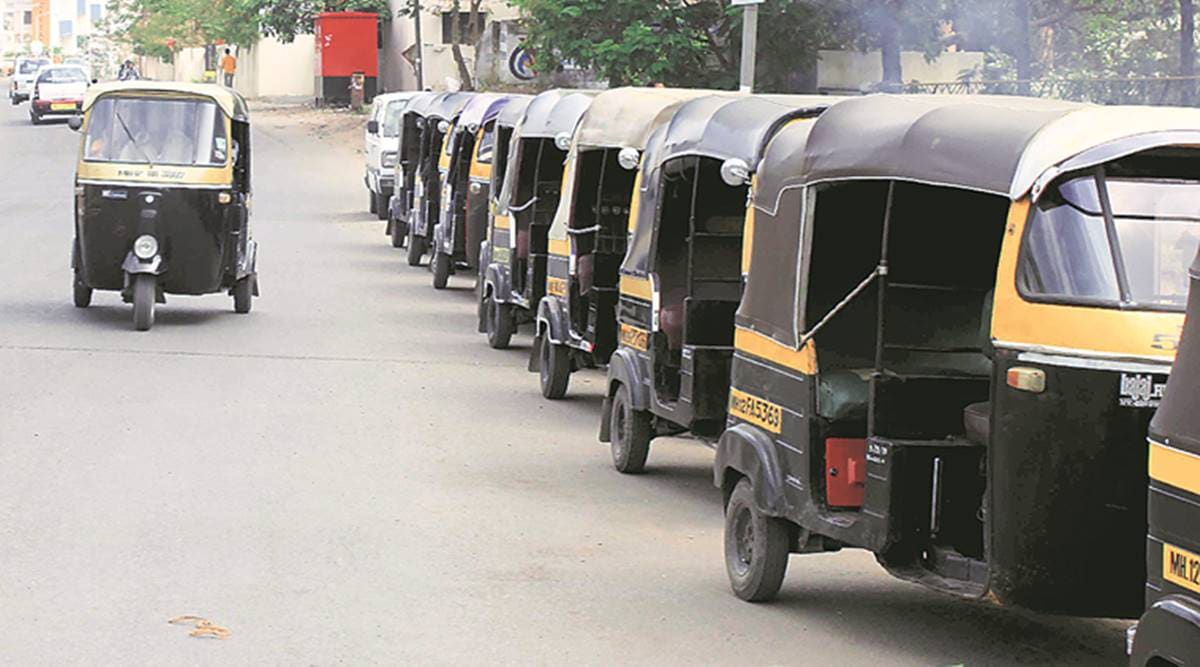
{"x":249,"y":264}
{"x":746,"y":451}
{"x":1168,"y":633}
{"x":550,"y":324}
{"x":623,"y":369}
{"x":134,"y":266}
{"x":496,"y":282}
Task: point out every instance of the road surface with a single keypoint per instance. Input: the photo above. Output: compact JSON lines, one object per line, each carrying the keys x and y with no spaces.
{"x":349,"y":475}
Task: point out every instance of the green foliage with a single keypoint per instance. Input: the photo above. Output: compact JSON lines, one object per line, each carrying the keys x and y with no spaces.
{"x":284,"y":19}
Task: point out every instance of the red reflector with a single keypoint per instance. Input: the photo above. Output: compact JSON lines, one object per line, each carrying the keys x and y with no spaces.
{"x":845,"y":472}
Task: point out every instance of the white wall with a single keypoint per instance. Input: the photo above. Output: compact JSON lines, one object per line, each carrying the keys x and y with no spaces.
{"x":270,"y":68}
{"x":855,"y":70}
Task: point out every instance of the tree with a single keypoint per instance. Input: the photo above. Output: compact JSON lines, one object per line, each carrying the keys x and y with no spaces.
{"x":284,"y":19}
{"x":161,"y":27}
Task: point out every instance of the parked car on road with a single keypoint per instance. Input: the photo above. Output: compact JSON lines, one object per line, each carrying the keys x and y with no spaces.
{"x":25,"y":70}
{"x":58,"y":90}
{"x":381,"y":147}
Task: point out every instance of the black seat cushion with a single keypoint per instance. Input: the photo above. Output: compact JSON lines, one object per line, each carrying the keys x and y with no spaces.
{"x":976,"y":421}
{"x":842,"y":395}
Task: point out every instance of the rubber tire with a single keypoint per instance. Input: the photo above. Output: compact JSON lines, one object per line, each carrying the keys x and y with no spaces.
{"x":441,"y":270}
{"x":416,"y":247}
{"x":145,"y":289}
{"x":372,"y":207}
{"x":399,"y":234}
{"x":630,"y":431}
{"x":82,"y":293}
{"x":555,"y":371}
{"x":499,"y":322}
{"x":381,"y":206}
{"x":243,"y":295}
{"x":759,"y":579}
{"x":34,"y":118}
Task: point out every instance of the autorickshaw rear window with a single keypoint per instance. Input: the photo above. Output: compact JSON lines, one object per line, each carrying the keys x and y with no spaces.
{"x":178,"y":132}
{"x":1071,"y":255}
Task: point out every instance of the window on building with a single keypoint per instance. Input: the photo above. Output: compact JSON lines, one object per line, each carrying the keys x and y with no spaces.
{"x":465,"y":21}
{"x":66,"y":28}
{"x":97,"y":12}
{"x":27,"y":19}
{"x":80,"y":7}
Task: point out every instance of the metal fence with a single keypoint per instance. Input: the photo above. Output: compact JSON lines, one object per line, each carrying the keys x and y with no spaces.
{"x":1155,"y":91}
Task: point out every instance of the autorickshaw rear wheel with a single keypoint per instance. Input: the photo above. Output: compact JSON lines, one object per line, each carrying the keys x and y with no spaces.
{"x":499,"y":323}
{"x":630,"y":431}
{"x":399,"y":233}
{"x":243,"y":295}
{"x":145,"y":287}
{"x":441,"y":270}
{"x":82,"y":293}
{"x":381,"y":206}
{"x":756,"y":547}
{"x":416,"y":247}
{"x":555,"y":370}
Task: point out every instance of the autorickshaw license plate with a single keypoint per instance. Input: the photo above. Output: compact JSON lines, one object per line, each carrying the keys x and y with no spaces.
{"x":62,"y":107}
{"x":1181,"y":568}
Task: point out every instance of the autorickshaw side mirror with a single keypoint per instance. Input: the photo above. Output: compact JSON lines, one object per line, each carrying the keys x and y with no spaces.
{"x":75,"y":122}
{"x":563,"y":141}
{"x":735,"y":172}
{"x":629,"y":158}
{"x":443,"y":127}
{"x":372,"y":127}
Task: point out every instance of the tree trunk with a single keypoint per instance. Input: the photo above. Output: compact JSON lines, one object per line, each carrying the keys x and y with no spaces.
{"x":889,"y":47}
{"x":1187,"y":50}
{"x":1022,"y":51}
{"x":464,"y":72}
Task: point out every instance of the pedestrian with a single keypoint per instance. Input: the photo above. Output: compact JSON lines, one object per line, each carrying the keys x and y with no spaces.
{"x":228,"y":67}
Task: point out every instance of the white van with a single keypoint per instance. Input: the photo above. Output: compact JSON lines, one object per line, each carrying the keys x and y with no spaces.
{"x":382,"y":144}
{"x":25,"y":70}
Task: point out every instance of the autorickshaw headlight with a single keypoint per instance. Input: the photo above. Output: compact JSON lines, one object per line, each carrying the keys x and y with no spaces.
{"x":388,"y":159}
{"x":443,"y":126}
{"x":145,"y":247}
{"x":629,"y":158}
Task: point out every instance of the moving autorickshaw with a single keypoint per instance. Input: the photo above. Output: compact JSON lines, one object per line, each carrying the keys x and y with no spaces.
{"x":401,"y":205}
{"x":466,"y":193}
{"x":162,"y":192}
{"x":958,"y":316}
{"x":1168,"y":634}
{"x":526,"y":185}
{"x":681,"y":279}
{"x":435,"y":121}
{"x":576,"y":319}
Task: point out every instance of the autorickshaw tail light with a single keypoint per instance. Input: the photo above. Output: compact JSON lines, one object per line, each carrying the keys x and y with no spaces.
{"x":224,"y":198}
{"x":1032,"y":380}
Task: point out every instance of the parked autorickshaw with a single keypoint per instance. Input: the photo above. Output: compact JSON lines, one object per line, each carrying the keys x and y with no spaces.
{"x":433,"y":161}
{"x":576,"y":319}
{"x":958,"y":317}
{"x":400,"y":207}
{"x":526,"y":186}
{"x":1168,"y":634}
{"x":681,"y":279}
{"x":466,"y":191}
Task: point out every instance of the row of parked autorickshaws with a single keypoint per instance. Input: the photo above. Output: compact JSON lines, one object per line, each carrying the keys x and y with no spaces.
{"x":936,"y":328}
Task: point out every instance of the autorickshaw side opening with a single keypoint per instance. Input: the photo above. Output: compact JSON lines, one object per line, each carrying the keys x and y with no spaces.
{"x":599,"y":231}
{"x":539,"y":187}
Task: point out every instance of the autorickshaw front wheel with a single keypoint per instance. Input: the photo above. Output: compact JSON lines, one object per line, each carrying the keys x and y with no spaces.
{"x":243,"y":295}
{"x":756,"y":547}
{"x":441,"y":270}
{"x":499,"y":322}
{"x":82,"y":293}
{"x":381,"y":205}
{"x":145,"y":288}
{"x":399,"y":233}
{"x":555,"y":371}
{"x":416,"y":247}
{"x":630,"y":430}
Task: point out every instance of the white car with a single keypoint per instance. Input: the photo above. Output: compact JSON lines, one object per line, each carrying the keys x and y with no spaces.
{"x":382,"y":145}
{"x":58,"y":90}
{"x":25,"y":70}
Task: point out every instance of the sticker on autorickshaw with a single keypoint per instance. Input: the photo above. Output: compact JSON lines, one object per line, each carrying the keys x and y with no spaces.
{"x":1141,"y":390}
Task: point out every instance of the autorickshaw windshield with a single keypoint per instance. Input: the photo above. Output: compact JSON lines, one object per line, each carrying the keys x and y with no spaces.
{"x":1112,"y":241}
{"x":178,"y":132}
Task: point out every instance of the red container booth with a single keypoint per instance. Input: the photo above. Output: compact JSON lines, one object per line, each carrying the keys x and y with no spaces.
{"x":347,"y":42}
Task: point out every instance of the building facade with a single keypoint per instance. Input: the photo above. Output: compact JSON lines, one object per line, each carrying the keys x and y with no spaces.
{"x":16,"y":26}
{"x":398,"y":54}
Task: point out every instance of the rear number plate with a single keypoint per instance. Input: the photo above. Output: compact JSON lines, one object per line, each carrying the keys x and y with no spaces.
{"x":1181,"y":568}
{"x":62,"y":107}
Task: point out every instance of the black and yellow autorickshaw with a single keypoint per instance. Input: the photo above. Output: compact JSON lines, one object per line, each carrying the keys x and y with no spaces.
{"x":1168,"y":634}
{"x":681,"y":279}
{"x":435,"y":119}
{"x":576,"y":319}
{"x":526,"y":185}
{"x":958,"y":316}
{"x":162,"y":195}
{"x":466,"y":191}
{"x":400,"y":207}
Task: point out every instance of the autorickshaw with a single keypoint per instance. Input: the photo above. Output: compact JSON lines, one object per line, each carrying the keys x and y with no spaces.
{"x":162,"y":191}
{"x":400,"y":207}
{"x":958,"y":316}
{"x":576,"y":319}
{"x":681,"y":279}
{"x":462,"y":222}
{"x":1168,"y":634}
{"x":526,"y":185}
{"x":432,"y":162}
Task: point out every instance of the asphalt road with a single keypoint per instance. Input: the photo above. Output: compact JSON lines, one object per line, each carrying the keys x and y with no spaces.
{"x":349,"y":475}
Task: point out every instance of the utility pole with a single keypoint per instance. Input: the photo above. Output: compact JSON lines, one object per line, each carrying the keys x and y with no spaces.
{"x":416,"y":4}
{"x":749,"y":41}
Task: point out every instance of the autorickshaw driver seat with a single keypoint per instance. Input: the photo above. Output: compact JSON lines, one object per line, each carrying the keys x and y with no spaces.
{"x":977,"y":416}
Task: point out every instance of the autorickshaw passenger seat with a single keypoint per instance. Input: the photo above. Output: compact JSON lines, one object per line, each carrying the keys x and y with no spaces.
{"x":842,"y":395}
{"x":977,"y":422}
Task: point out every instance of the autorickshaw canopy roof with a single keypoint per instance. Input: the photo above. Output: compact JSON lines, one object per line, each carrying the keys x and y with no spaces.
{"x":994,"y":144}
{"x":447,"y":106}
{"x":231,"y":102}
{"x":481,"y":108}
{"x":552,"y":113}
{"x":512,"y":113}
{"x":420,"y":103}
{"x":1177,"y":422}
{"x":624,"y":117}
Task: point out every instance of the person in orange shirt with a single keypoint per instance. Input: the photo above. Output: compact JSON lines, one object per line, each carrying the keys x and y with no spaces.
{"x":228,"y":68}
